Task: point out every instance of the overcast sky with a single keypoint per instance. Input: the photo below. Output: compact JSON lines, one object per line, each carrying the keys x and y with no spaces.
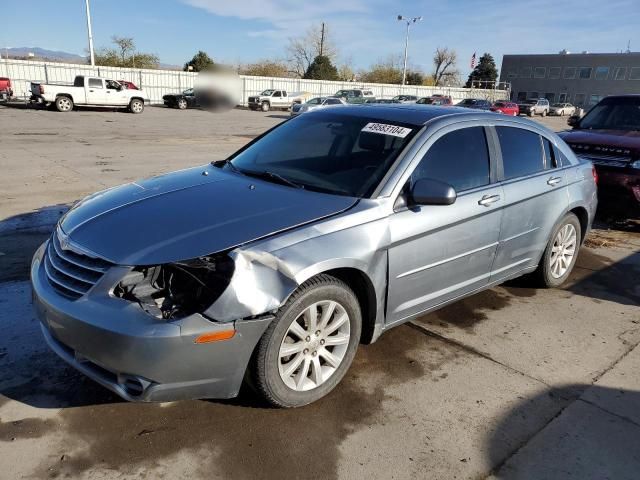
{"x":365,"y":30}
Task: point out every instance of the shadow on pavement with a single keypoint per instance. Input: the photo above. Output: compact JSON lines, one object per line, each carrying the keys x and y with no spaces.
{"x":596,"y":437}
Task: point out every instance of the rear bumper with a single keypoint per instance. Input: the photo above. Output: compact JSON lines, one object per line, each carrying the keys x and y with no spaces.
{"x":137,"y":356}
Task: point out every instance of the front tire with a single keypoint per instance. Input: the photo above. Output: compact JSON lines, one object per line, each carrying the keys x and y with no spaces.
{"x":310,"y":344}
{"x":64,"y":104}
{"x":265,"y":106}
{"x":544,"y":113}
{"x":561,"y":253}
{"x":182,"y":104}
{"x":136,"y":106}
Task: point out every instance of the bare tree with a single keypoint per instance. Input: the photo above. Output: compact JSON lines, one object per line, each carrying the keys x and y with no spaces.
{"x":126,"y":45}
{"x":444,"y":61}
{"x":302,"y":50}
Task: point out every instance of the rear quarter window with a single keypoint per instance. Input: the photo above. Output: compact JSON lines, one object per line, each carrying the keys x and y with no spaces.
{"x":521,"y":152}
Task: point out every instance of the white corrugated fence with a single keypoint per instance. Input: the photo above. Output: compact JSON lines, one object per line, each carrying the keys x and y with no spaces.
{"x":157,"y":83}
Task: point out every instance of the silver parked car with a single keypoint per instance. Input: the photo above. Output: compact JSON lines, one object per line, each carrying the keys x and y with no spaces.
{"x":315,"y":104}
{"x":562,"y":109}
{"x":331,"y":228}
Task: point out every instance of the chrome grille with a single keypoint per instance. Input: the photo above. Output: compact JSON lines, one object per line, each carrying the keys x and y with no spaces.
{"x":71,"y":273}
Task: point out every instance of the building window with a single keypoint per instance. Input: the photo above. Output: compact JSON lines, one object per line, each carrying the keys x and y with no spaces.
{"x":512,"y":74}
{"x":554,"y":72}
{"x":550,"y":96}
{"x":522,"y":96}
{"x":563,"y":98}
{"x":569,"y":72}
{"x":634,"y":74}
{"x":525,"y":72}
{"x":535,"y":95}
{"x":585,"y":73}
{"x":602,"y":73}
{"x":579,"y":99}
{"x":593,"y":99}
{"x":621,"y":72}
{"x":539,"y":72}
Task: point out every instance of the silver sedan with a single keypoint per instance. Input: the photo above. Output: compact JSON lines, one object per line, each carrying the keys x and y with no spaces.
{"x":330,"y":229}
{"x":315,"y":104}
{"x":562,"y":109}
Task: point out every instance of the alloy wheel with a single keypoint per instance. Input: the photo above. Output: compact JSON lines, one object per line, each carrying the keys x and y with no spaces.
{"x":314,"y":345}
{"x":563,"y":250}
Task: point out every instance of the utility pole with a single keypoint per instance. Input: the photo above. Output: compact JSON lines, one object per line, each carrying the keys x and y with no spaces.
{"x":322,"y":39}
{"x":93,"y":59}
{"x":406,"y":43}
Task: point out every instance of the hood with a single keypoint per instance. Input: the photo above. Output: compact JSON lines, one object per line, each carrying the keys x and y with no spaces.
{"x":618,"y":139}
{"x":187,"y":214}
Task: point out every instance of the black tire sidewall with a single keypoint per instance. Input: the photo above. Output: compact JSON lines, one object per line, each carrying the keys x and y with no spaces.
{"x":545,"y":269}
{"x":275,"y":388}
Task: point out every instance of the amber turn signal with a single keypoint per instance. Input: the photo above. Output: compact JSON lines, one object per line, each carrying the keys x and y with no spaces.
{"x":215,"y":336}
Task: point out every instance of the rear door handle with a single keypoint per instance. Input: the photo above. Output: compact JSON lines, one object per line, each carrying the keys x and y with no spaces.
{"x":554,"y":181}
{"x":488,"y":200}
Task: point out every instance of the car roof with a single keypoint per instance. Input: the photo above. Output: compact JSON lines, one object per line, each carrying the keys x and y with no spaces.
{"x":414,"y":114}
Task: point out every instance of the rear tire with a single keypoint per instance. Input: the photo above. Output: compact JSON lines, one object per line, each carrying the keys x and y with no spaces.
{"x":64,"y":104}
{"x":561,"y":253}
{"x":320,"y":325}
{"x":136,"y":106}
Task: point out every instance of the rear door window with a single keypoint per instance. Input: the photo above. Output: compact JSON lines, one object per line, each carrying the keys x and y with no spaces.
{"x":521,"y":152}
{"x":459,"y":158}
{"x":95,"y":83}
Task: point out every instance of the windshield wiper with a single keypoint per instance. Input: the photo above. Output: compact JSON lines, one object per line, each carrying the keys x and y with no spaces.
{"x":222,"y":163}
{"x":273,"y":176}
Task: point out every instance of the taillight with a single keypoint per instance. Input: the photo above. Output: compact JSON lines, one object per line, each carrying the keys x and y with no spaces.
{"x":595,"y":174}
{"x":41,"y":89}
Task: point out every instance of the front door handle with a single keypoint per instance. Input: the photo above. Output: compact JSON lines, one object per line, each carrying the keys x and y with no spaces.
{"x":91,"y":91}
{"x":488,"y":200}
{"x":554,"y":181}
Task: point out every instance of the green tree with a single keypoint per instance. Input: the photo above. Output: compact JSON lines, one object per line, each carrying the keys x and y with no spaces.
{"x":414,"y":78}
{"x":321,"y":69}
{"x":199,"y":63}
{"x":485,"y":72}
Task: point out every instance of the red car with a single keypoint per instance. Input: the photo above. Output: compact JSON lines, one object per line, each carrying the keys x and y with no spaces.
{"x":5,"y":88}
{"x":507,"y":108}
{"x":128,"y":85}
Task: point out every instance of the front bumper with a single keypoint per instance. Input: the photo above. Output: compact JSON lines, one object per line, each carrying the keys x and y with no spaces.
{"x":620,"y":186}
{"x":135,"y":355}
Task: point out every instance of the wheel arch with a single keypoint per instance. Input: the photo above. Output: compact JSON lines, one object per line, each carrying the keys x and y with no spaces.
{"x":365,"y":293}
{"x":136,"y":98}
{"x":583,"y":218}
{"x":68,"y":95}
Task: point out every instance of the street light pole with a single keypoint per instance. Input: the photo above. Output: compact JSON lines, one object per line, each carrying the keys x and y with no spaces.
{"x":93,"y":59}
{"x":406,"y":44}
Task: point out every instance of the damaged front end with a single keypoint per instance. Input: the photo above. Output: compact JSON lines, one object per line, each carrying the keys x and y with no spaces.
{"x":177,"y":290}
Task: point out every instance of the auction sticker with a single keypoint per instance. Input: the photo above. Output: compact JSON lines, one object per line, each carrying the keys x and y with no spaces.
{"x":385,"y":129}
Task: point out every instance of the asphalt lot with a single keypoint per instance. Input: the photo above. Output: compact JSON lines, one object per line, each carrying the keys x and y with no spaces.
{"x":511,"y":383}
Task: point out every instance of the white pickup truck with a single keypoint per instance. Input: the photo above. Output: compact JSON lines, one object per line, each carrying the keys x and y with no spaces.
{"x":88,"y":91}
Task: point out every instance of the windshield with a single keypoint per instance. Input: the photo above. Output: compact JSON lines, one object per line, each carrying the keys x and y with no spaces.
{"x":189,"y":91}
{"x":614,"y":114}
{"x":558,"y":105}
{"x":468,"y":101}
{"x":267,"y":93}
{"x":338,"y":154}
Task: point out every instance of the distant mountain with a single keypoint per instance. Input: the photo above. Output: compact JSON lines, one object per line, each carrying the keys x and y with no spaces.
{"x":41,"y":53}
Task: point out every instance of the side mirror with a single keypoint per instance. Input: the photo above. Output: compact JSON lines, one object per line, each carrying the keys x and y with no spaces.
{"x":573,"y":121}
{"x":428,"y":191}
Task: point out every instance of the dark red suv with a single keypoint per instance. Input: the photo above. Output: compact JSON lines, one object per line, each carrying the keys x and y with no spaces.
{"x":609,"y":136}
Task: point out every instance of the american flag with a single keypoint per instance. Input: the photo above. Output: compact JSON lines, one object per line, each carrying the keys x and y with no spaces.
{"x":473,"y":60}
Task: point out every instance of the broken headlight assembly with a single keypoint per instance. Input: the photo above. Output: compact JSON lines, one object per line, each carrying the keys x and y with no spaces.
{"x":176,"y":290}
